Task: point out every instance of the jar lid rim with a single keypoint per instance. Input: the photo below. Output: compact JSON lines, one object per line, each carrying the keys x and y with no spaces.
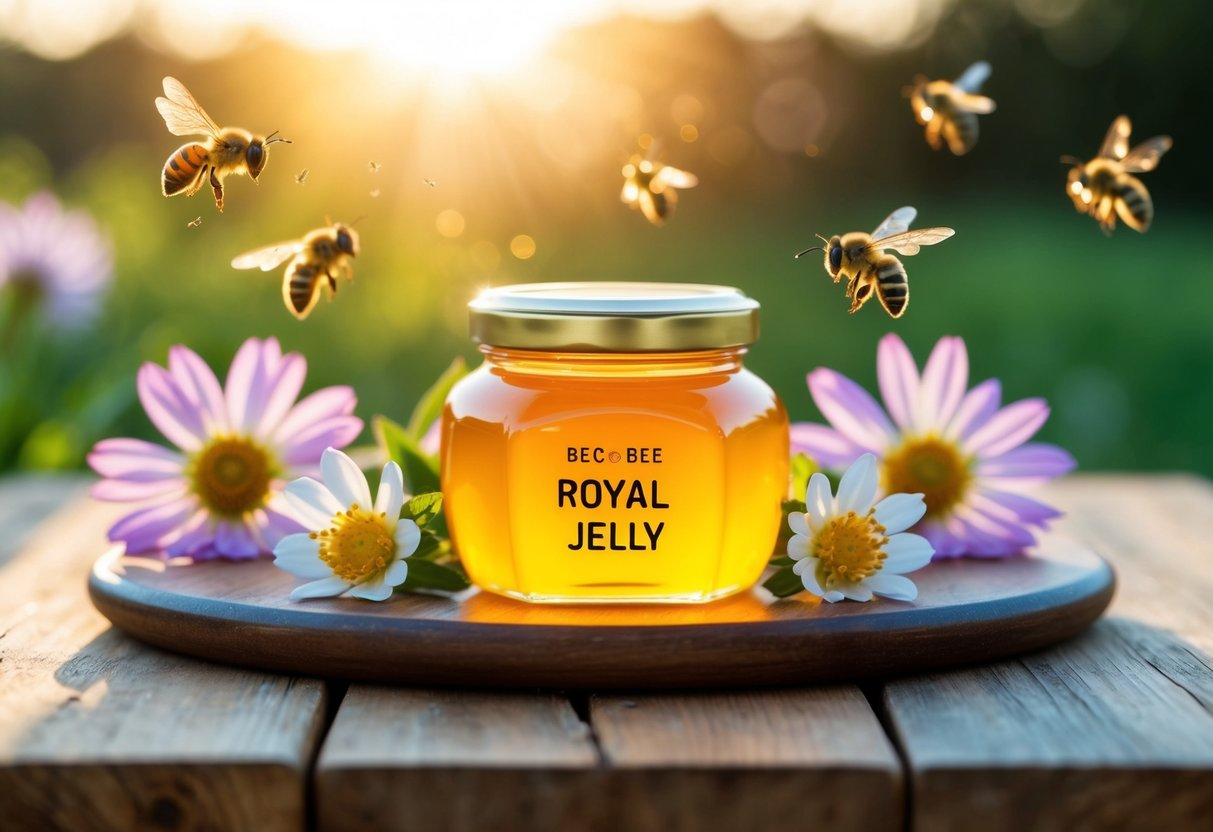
{"x":614,"y":316}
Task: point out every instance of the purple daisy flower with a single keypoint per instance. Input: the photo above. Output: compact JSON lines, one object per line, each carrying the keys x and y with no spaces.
{"x":958,"y":447}
{"x":220,"y":493}
{"x":59,"y":258}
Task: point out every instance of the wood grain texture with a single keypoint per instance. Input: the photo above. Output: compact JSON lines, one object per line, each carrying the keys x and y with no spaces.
{"x":751,"y":762}
{"x":1113,"y":730}
{"x":101,"y":732}
{"x":966,"y":611}
{"x":439,"y":761}
{"x":27,"y":499}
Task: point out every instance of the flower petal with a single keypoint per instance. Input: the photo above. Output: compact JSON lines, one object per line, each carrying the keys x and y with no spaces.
{"x":145,"y":529}
{"x":944,"y":380}
{"x":807,"y":570}
{"x":345,"y":479}
{"x":798,"y":547}
{"x":373,"y":590}
{"x":897,"y":587}
{"x":898,"y":512}
{"x":168,"y":409}
{"x":299,"y":554}
{"x":130,"y":490}
{"x":233,"y":539}
{"x":1012,"y":508}
{"x":857,"y":489}
{"x":285,"y":385}
{"x":798,"y":522}
{"x":324,"y":404}
{"x":198,"y":383}
{"x":247,"y":384}
{"x":408,"y":538}
{"x":975,"y":409}
{"x":311,"y":503}
{"x":856,"y":592}
{"x":323,"y":588}
{"x":945,"y":544}
{"x":1031,"y":461}
{"x":390,"y":496}
{"x":906,"y":552}
{"x":306,"y":446}
{"x":1008,"y":428}
{"x":135,"y":459}
{"x":819,"y":501}
{"x":396,"y":573}
{"x":824,"y":445}
{"x":897,"y":376}
{"x":850,"y":409}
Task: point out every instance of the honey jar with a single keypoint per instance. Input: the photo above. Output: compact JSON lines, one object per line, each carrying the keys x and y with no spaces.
{"x":612,"y":447}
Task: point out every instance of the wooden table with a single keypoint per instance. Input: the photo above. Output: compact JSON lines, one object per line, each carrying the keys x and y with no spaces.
{"x":1113,"y":730}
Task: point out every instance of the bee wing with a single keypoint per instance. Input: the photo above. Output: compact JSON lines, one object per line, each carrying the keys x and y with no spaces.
{"x":1145,"y":156}
{"x":895,"y":223}
{"x":973,"y":77}
{"x":1116,"y":143}
{"x":182,"y":114}
{"x":973,"y":103}
{"x":960,"y":132}
{"x":630,"y":192}
{"x":653,"y":207}
{"x":675,"y":178}
{"x":267,"y":257}
{"x":908,"y":242}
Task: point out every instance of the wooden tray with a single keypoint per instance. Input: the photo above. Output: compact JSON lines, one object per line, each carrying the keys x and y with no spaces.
{"x":967,"y":611}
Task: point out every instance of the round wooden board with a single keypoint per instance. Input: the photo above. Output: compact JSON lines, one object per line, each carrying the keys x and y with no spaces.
{"x":967,"y":611}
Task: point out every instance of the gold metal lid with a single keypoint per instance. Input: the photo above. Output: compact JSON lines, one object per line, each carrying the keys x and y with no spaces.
{"x":614,"y":317}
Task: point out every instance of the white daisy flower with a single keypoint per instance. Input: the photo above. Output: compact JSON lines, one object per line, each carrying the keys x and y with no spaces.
{"x":845,"y":547}
{"x":353,"y":547}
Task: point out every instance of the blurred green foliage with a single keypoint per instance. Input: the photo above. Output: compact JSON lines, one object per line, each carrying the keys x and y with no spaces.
{"x":1114,"y":332}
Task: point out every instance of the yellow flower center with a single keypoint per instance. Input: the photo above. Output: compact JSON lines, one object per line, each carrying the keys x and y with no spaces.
{"x":231,"y":475}
{"x":359,"y":544}
{"x":849,"y":549}
{"x":931,"y":467}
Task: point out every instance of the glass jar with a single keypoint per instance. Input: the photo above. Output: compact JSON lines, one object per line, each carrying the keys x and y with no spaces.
{"x":612,"y":447}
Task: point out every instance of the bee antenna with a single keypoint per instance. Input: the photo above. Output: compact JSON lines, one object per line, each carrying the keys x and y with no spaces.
{"x":1070,"y":160}
{"x":355,"y":222}
{"x":807,"y":250}
{"x":274,"y":137}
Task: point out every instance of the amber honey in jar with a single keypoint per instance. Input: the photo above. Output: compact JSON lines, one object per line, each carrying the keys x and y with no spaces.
{"x":612,"y":447}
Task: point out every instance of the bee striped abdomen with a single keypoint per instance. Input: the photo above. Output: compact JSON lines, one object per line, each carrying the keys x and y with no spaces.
{"x":892,"y":286}
{"x":1133,"y":203}
{"x":185,"y":170}
{"x":302,"y":287}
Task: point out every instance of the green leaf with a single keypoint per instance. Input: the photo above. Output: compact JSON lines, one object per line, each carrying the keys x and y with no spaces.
{"x":781,"y":561}
{"x":783,"y":583}
{"x":429,"y":408}
{"x":425,"y":574}
{"x":420,"y":469}
{"x":785,"y":530}
{"x":431,"y":547}
{"x":423,"y":508}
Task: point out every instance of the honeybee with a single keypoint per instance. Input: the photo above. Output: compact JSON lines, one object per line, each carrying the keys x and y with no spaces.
{"x":1105,"y":186}
{"x":861,"y":259}
{"x":649,"y":186}
{"x":226,"y":150}
{"x":315,"y":262}
{"x":950,"y":108}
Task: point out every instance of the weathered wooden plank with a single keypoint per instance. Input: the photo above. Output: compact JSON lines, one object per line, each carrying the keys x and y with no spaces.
{"x":26,"y":500}
{"x":769,"y":760}
{"x":1113,"y":730}
{"x":99,"y":732}
{"x":438,"y":760}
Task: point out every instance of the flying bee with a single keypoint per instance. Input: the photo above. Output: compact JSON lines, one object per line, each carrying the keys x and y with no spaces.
{"x":225,"y":151}
{"x":301,"y":176}
{"x":861,"y":259}
{"x":950,"y":108}
{"x":1105,"y":187}
{"x":316,"y":261}
{"x":650,"y":187}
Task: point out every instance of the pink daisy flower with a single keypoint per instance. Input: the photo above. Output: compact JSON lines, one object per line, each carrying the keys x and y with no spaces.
{"x":219,"y":493}
{"x":969,"y":456}
{"x":59,"y":258}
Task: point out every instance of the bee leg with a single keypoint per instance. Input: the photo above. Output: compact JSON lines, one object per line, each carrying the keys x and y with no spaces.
{"x":217,"y":187}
